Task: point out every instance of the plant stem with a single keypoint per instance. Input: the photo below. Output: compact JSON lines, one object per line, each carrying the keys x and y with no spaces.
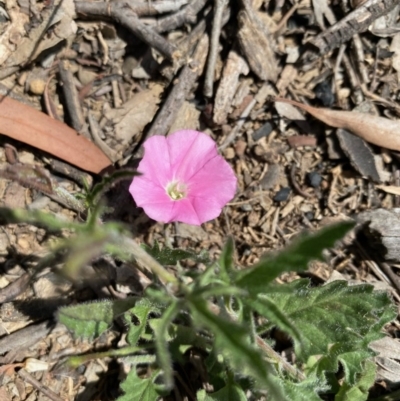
{"x":149,"y":262}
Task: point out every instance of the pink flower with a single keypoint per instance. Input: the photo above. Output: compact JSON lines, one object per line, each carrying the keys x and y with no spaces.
{"x":183,"y":179}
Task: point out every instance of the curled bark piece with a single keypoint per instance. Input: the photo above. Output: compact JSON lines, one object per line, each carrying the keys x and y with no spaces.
{"x":35,"y":128}
{"x":374,"y":129}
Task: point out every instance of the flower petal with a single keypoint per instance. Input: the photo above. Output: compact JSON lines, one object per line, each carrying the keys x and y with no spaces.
{"x":206,"y":208}
{"x":215,"y":181}
{"x":155,"y":165}
{"x":190,"y":158}
{"x":189,"y":151}
{"x":146,"y":192}
{"x":184,"y":212}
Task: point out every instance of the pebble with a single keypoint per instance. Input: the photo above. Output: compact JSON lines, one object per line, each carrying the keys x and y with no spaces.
{"x":310,"y":216}
{"x":246,"y":208}
{"x":282,"y":195}
{"x":23,"y":243}
{"x":323,"y":92}
{"x":36,"y":86}
{"x":229,"y":153}
{"x":240,"y":147}
{"x":314,"y":179}
{"x":263,"y":131}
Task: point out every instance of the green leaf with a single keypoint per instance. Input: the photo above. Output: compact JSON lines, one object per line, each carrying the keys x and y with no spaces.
{"x":37,"y":218}
{"x":82,"y":249}
{"x":139,"y":389}
{"x":336,"y":322}
{"x":306,"y":390}
{"x":170,"y":257}
{"x":161,"y":337}
{"x":232,"y":341}
{"x":292,"y":259}
{"x":276,"y":316}
{"x":231,"y":392}
{"x":137,"y":319}
{"x":358,"y":391}
{"x":91,"y":319}
{"x":226,"y":261}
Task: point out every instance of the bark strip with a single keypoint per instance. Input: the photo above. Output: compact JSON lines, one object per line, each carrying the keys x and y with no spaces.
{"x":355,"y":22}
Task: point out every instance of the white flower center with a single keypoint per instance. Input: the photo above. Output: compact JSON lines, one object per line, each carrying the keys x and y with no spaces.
{"x":176,"y":190}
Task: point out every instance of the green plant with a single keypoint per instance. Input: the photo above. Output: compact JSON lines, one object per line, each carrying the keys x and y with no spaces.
{"x":227,"y":315}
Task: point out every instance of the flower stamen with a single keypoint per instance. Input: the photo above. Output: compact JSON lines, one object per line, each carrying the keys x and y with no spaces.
{"x":176,"y":190}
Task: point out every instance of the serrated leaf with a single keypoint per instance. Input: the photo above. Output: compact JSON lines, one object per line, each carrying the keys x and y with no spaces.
{"x":336,"y":321}
{"x":140,"y":312}
{"x":231,"y":392}
{"x":358,"y":391}
{"x":277,"y":317}
{"x":139,"y":389}
{"x":292,"y":259}
{"x":91,"y":319}
{"x":170,"y":257}
{"x":232,"y":340}
{"x":306,"y":390}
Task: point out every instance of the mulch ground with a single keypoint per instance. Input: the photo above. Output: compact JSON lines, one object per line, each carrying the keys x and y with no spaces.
{"x":122,"y":71}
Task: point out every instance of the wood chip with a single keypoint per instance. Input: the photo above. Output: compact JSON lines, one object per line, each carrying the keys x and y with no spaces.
{"x":359,"y":153}
{"x":256,"y":43}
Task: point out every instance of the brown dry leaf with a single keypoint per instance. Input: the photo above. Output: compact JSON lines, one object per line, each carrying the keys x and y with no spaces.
{"x":35,"y":128}
{"x":135,"y":114}
{"x":374,"y":129}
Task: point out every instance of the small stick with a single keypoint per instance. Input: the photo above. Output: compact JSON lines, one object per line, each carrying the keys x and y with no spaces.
{"x":15,"y":288}
{"x":189,"y":42}
{"x":95,"y":131}
{"x":50,"y":106}
{"x":186,"y":80}
{"x":353,"y":78}
{"x":126,"y":16}
{"x":231,"y":137}
{"x":80,"y":177}
{"x":72,"y":100}
{"x":104,"y":45}
{"x":139,"y":8}
{"x":284,"y":20}
{"x":355,"y":22}
{"x":186,"y":15}
{"x":219,"y":7}
{"x":360,"y":56}
{"x":39,"y":386}
{"x":296,"y":184}
{"x":26,"y":337}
